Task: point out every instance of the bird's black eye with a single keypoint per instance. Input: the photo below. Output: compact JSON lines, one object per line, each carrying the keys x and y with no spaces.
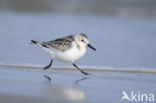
{"x":82,"y":40}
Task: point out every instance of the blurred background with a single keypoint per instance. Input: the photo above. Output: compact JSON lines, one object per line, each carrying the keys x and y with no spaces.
{"x":122,"y":31}
{"x":110,"y":7}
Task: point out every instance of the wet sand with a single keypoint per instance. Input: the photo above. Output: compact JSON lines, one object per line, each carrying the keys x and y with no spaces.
{"x":26,"y":85}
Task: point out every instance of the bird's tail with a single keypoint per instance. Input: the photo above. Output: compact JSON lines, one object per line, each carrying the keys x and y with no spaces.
{"x":34,"y":42}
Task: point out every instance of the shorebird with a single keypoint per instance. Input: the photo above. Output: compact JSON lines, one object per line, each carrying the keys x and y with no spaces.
{"x":66,"y":49}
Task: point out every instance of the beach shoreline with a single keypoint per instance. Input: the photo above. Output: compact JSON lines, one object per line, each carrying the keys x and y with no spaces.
{"x":31,"y":85}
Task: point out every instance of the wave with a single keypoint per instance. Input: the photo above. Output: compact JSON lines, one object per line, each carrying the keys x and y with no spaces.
{"x":101,"y":69}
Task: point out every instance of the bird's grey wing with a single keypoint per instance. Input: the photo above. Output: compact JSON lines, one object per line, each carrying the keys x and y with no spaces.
{"x":61,"y":44}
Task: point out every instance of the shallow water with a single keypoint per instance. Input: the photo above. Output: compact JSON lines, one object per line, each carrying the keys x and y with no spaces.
{"x":71,"y":86}
{"x":120,"y":43}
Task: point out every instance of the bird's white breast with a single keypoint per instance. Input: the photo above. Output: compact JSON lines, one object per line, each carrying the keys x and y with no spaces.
{"x":70,"y":55}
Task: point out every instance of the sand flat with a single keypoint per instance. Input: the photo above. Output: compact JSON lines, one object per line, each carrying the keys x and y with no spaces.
{"x":30,"y":85}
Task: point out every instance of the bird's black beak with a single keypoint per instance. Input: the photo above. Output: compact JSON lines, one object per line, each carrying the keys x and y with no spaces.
{"x":91,"y":47}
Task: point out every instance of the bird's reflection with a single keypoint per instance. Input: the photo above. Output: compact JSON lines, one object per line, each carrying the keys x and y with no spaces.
{"x":47,"y":77}
{"x":64,"y":91}
{"x":80,"y":80}
{"x":76,"y":81}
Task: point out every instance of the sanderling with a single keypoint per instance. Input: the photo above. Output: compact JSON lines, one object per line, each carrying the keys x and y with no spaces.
{"x":66,"y":49}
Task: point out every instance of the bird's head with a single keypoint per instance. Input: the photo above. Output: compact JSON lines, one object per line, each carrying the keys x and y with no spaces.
{"x":83,"y":41}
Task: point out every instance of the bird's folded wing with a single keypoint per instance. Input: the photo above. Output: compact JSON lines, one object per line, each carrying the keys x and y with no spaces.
{"x":58,"y":44}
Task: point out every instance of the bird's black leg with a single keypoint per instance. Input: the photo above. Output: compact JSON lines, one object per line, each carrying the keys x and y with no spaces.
{"x":48,"y":66}
{"x":80,"y":69}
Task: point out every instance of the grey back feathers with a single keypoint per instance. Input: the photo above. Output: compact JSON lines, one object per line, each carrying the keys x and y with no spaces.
{"x":61,"y":44}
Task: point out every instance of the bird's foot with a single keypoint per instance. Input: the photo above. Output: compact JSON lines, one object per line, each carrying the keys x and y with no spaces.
{"x":46,"y":67}
{"x":85,"y":73}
